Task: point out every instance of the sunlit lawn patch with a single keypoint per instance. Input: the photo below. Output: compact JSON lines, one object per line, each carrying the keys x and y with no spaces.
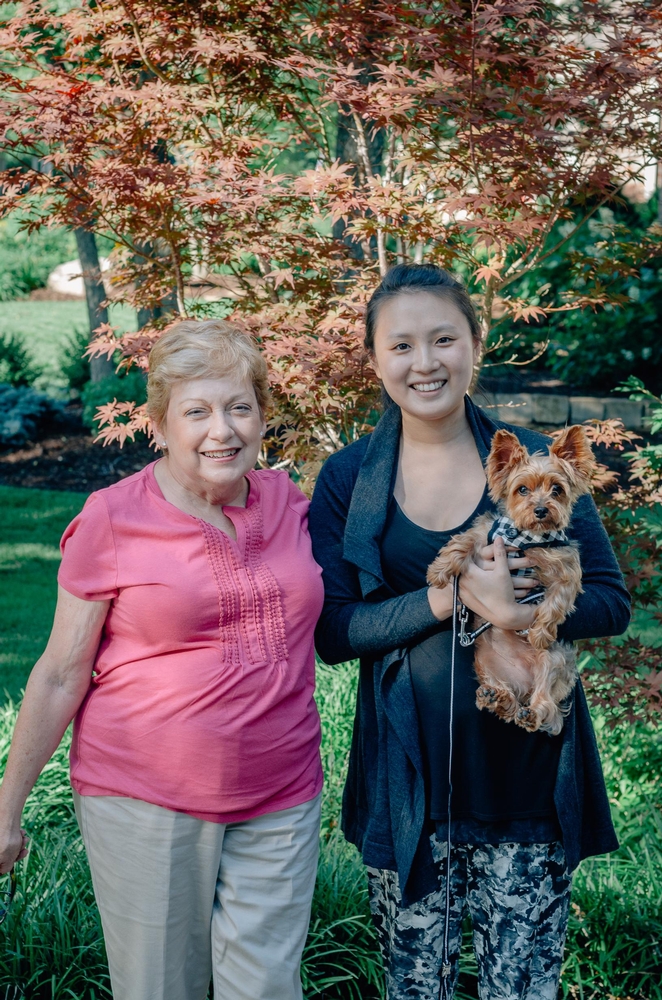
{"x":46,"y":327}
{"x":31,"y":523}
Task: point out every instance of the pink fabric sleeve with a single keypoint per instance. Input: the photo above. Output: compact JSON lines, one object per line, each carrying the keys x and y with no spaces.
{"x":89,"y":562}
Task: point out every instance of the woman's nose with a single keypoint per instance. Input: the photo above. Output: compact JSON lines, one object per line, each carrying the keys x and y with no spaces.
{"x":220,"y":428}
{"x":425,"y":361}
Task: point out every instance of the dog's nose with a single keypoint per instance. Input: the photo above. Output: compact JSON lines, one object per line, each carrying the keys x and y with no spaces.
{"x":541,"y":512}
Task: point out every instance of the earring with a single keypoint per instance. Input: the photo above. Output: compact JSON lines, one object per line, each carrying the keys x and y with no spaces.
{"x":164,"y":444}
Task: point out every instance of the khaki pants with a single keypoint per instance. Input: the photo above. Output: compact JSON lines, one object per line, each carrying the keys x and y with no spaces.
{"x":183,"y":900}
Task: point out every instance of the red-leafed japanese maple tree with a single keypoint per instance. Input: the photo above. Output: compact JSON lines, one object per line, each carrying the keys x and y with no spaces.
{"x":289,"y":152}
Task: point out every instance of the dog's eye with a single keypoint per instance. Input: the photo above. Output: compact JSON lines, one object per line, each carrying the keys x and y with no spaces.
{"x":523,"y":490}
{"x":557,"y":491}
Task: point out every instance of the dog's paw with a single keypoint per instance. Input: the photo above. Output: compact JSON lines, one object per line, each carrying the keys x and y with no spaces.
{"x":486,"y":697}
{"x":497,"y":700}
{"x":527,"y":719}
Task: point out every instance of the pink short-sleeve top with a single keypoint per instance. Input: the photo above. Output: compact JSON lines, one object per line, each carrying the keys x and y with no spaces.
{"x":201,"y":699}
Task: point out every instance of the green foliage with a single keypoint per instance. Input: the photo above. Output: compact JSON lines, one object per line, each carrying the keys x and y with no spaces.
{"x":625,"y":677}
{"x":615,"y":932}
{"x":340,"y":959}
{"x":48,"y":330}
{"x":649,"y":457}
{"x":591,"y":348}
{"x":26,"y":259}
{"x":131,"y":385}
{"x":74,"y":367}
{"x":17,"y":368}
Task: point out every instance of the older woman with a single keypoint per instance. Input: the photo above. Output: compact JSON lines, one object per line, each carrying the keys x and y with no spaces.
{"x":183,"y":645}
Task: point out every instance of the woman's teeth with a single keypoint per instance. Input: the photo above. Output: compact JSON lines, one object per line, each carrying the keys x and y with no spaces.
{"x":428,"y":386}
{"x":226,"y":453}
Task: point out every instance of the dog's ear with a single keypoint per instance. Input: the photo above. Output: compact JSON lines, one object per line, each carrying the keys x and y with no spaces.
{"x":506,"y":453}
{"x":573,"y":446}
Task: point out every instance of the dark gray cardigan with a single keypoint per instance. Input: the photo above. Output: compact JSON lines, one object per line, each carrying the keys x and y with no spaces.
{"x":384,"y":799}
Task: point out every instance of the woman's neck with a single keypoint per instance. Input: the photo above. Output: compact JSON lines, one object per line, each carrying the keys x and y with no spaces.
{"x":452,"y":430}
{"x":205,"y":504}
{"x":440,"y":477}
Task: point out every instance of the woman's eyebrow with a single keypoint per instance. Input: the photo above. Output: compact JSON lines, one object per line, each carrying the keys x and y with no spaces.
{"x":442,"y":328}
{"x":231,"y":399}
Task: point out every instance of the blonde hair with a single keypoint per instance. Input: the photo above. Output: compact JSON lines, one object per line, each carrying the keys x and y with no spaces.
{"x":207,"y":348}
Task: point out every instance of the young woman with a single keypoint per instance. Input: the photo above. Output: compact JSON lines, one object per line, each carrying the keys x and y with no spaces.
{"x":526,"y":807}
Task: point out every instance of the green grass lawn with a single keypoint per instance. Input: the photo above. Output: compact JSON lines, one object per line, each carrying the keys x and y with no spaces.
{"x":31,"y":523}
{"x":45,"y":328}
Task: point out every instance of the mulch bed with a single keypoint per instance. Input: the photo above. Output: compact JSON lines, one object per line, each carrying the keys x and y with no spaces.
{"x":72,"y":462}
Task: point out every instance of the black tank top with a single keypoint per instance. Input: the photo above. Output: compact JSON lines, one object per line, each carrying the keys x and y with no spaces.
{"x":503,"y":777}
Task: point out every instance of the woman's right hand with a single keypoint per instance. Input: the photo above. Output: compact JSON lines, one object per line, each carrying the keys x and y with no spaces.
{"x":13,"y":847}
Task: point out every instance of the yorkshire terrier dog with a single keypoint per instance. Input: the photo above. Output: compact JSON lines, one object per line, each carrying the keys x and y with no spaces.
{"x":525,"y":678}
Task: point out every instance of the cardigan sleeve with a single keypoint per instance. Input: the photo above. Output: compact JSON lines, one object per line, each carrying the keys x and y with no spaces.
{"x":604,"y":606}
{"x":349,"y":625}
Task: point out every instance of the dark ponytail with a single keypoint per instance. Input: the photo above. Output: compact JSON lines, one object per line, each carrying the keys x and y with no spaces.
{"x":419,"y":278}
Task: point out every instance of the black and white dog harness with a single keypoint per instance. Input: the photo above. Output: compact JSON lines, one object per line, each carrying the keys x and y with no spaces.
{"x":504,"y":527}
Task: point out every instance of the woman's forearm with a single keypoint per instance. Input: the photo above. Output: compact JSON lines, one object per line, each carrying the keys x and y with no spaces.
{"x":57,"y":685}
{"x":48,"y":707}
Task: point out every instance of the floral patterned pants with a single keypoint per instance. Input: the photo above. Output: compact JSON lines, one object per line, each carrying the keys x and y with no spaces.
{"x":517,"y":896}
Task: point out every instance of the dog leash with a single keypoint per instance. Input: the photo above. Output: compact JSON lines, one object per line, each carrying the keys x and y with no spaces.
{"x":461,"y":615}
{"x":445,"y":984}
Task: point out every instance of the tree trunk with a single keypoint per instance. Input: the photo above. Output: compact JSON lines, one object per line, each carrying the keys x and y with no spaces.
{"x":147,"y":314}
{"x":346,"y":152}
{"x":95,"y":295}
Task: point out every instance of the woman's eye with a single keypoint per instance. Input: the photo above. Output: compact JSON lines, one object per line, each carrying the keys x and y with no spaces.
{"x":194,"y":413}
{"x":241,"y":408}
{"x":400,"y":347}
{"x":444,"y":340}
{"x":557,"y":491}
{"x":523,"y":490}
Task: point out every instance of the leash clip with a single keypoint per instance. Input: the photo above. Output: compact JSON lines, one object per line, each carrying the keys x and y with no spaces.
{"x":464,"y":638}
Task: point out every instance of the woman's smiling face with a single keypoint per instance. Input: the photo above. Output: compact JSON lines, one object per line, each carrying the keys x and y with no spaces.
{"x":424,"y":354}
{"x":214,"y":430}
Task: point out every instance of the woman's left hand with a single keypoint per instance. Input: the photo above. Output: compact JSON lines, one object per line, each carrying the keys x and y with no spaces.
{"x":487,"y":588}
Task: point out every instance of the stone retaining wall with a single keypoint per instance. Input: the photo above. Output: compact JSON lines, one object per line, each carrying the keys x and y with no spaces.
{"x":526,"y":408}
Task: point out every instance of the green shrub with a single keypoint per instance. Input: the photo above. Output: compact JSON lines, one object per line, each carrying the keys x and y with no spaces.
{"x":26,"y":415}
{"x":131,"y":386}
{"x":17,"y":367}
{"x":341,"y":959}
{"x":75,"y":368}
